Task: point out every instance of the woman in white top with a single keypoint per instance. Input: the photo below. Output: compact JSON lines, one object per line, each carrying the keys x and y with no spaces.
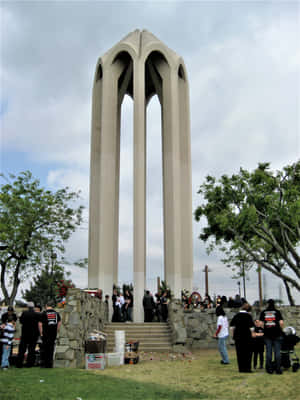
{"x":222,"y":334}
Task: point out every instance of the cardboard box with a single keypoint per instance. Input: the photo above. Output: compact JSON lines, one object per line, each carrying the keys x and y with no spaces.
{"x":95,"y":361}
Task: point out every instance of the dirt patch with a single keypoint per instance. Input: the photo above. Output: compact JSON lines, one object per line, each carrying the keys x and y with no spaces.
{"x":171,"y":356}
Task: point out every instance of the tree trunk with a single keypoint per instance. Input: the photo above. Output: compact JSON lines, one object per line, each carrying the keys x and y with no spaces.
{"x":289,"y":293}
{"x":9,"y":299}
{"x":16,"y":283}
{"x":2,"y":279}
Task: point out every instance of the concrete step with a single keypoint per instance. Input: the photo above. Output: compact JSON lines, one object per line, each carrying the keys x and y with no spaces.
{"x":145,"y":347}
{"x":151,"y":336}
{"x":143,"y":341}
{"x":111,"y":339}
{"x":139,"y":332}
{"x":117,"y":325}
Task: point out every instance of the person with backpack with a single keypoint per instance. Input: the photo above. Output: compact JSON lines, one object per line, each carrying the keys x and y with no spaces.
{"x":272,"y":323}
{"x":48,"y":327}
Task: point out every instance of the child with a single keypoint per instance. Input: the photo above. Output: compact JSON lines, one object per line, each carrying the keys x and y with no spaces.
{"x":258,"y":344}
{"x":7,"y":339}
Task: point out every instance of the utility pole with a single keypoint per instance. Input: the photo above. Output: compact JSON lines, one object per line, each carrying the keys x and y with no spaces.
{"x":53,"y":262}
{"x":206,"y":270}
{"x":265,"y":286}
{"x":244,"y":278}
{"x":260,"y":287}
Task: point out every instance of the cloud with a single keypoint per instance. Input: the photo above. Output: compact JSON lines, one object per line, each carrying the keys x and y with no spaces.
{"x":242,"y":61}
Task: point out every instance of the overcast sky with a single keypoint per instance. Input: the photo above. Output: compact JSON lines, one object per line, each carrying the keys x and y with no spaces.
{"x":242,"y":60}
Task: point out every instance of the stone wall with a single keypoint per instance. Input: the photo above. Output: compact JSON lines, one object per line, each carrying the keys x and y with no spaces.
{"x":195,"y":329}
{"x":81,"y":315}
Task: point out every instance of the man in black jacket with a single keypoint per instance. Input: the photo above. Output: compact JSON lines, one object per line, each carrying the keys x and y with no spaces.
{"x":243,"y":330}
{"x":148,"y":303}
{"x":30,"y":333}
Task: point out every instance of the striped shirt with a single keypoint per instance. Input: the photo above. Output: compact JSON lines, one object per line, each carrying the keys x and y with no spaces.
{"x":8,"y":334}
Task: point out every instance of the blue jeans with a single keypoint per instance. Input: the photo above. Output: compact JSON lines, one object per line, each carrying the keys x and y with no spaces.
{"x":223,"y":349}
{"x":5,"y":356}
{"x":270,"y":345}
{"x":129,"y":314}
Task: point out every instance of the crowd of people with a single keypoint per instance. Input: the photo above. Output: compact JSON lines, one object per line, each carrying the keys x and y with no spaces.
{"x":195,"y":300}
{"x":155,"y":307}
{"x":38,"y":327}
{"x":252,"y":337}
{"x":122,"y":305}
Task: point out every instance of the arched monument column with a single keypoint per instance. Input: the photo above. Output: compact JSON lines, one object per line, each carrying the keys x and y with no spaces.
{"x":140,"y":66}
{"x":139,"y":190}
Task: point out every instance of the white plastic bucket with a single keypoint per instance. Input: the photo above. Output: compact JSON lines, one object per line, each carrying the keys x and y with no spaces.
{"x":115,"y":359}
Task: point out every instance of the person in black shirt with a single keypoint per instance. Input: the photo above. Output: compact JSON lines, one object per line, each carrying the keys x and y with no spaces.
{"x":116,"y":309}
{"x":148,"y":304}
{"x":10,"y":311}
{"x":273,"y":323}
{"x":48,"y":327}
{"x":30,"y":333}
{"x":128,"y":306}
{"x":157,"y":307}
{"x":243,"y":331}
{"x":164,"y":306}
{"x":258,"y":344}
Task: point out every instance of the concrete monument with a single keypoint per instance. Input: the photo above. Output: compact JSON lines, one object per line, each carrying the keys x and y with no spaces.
{"x":140,"y":66}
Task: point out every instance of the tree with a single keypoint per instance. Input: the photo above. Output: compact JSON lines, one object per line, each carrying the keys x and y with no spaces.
{"x":49,"y":284}
{"x":256,"y":213}
{"x":43,"y":287}
{"x":35,"y":223}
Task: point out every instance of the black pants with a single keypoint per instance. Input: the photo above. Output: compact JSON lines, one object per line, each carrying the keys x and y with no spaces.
{"x":27,"y":343}
{"x":148,"y":317}
{"x":164,"y":312}
{"x":117,"y":316}
{"x":48,"y":351}
{"x":258,"y":351}
{"x":157,"y":314}
{"x":244,"y":355}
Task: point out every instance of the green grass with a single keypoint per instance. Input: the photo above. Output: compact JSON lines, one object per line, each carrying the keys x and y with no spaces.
{"x":202,"y":377}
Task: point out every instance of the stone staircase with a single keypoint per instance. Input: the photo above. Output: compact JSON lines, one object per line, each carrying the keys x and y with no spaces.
{"x":152,"y":336}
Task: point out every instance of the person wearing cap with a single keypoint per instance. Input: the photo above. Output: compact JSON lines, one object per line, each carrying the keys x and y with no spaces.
{"x":48,"y":328}
{"x":10,"y":311}
{"x":30,"y":333}
{"x":272,"y":323}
